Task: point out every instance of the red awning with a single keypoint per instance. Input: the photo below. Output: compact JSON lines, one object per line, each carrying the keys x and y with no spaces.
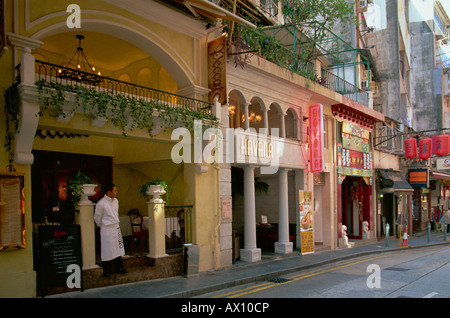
{"x":363,"y":116}
{"x":439,"y":175}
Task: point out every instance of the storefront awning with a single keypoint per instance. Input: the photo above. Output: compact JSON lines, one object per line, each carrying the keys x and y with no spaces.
{"x":439,"y":175}
{"x":361,"y":115}
{"x":393,"y":182}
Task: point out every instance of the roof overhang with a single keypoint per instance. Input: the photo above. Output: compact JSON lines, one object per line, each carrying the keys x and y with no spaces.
{"x":394,"y":182}
{"x":212,"y":11}
{"x":361,"y":115}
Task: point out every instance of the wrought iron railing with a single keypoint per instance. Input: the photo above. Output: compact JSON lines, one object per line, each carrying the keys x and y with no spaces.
{"x":341,"y":86}
{"x":55,"y":73}
{"x":178,"y":226}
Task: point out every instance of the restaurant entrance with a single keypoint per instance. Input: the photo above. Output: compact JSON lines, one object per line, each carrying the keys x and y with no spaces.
{"x":51,"y":170}
{"x":356,"y":207}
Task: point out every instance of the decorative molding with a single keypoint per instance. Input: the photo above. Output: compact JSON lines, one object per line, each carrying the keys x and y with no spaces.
{"x":193,"y":91}
{"x":23,"y":42}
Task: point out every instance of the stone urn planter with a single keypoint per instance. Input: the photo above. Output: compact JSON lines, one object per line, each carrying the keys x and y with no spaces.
{"x":87,"y":191}
{"x":156,"y":190}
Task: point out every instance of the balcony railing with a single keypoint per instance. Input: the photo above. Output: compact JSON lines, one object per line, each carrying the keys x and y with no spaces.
{"x":341,"y":86}
{"x":52,"y":73}
{"x":178,"y":226}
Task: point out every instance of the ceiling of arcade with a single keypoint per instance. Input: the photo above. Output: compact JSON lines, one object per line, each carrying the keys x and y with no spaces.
{"x":112,"y":56}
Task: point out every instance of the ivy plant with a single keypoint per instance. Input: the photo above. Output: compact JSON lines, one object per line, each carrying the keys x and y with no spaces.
{"x":125,"y":112}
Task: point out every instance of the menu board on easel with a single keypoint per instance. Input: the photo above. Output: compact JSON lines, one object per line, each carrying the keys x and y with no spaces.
{"x":59,"y":247}
{"x":306,"y":222}
{"x":11,"y":211}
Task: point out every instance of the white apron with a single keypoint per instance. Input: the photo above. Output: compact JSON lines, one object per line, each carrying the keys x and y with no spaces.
{"x":111,"y":242}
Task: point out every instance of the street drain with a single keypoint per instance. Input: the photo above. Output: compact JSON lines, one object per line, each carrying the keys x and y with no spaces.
{"x":279,"y":280}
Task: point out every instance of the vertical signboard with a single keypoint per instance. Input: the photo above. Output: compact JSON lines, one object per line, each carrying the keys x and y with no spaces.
{"x":217,"y":64}
{"x":12,"y":222}
{"x":306,"y":222}
{"x":2,"y":27}
{"x":316,"y":138}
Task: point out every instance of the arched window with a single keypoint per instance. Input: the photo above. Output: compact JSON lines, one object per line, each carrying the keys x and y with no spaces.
{"x":291,"y":124}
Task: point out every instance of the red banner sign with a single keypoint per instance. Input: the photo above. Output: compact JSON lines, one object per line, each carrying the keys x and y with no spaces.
{"x":316,"y":138}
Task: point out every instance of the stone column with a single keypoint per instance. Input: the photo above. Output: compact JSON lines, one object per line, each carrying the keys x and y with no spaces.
{"x":266,"y":120}
{"x":247,"y":122}
{"x":282,"y":126}
{"x":156,"y":230}
{"x":85,"y":218}
{"x":250,"y":252}
{"x":283,"y":246}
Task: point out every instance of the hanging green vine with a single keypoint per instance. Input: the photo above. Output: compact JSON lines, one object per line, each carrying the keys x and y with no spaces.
{"x":126,"y":112}
{"x":12,"y":110}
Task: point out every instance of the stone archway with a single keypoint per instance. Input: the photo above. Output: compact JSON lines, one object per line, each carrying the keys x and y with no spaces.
{"x":147,"y":42}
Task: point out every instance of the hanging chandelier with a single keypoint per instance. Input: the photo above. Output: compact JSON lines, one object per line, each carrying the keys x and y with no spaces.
{"x":252,"y":118}
{"x":79,"y":69}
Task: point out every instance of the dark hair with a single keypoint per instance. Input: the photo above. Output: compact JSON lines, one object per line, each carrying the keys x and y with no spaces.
{"x":109,"y":187}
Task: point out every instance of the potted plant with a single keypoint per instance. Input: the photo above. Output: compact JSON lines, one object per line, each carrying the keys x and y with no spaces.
{"x":156,"y":188}
{"x":79,"y":188}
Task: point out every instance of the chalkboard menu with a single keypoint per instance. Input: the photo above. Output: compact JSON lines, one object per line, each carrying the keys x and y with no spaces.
{"x":59,"y":247}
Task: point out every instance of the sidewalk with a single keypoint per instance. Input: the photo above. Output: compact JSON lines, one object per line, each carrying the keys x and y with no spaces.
{"x":270,"y":266}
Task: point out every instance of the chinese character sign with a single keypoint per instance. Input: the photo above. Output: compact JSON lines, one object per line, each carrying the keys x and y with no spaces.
{"x":316,"y":138}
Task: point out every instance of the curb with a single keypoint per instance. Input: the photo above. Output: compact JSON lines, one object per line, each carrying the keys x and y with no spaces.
{"x":273,"y":274}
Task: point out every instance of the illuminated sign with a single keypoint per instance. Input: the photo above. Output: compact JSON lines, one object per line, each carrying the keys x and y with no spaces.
{"x":418,"y":178}
{"x":316,"y":138}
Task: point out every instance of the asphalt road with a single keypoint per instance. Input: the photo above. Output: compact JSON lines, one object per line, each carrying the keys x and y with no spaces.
{"x":415,"y":273}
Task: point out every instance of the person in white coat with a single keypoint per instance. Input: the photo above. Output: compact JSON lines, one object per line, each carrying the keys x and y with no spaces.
{"x":111,"y":242}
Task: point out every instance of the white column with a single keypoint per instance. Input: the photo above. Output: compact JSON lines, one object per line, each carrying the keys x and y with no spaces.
{"x":85,"y":218}
{"x":250,"y":253}
{"x":283,"y":246}
{"x":156,"y":230}
{"x":266,"y":120}
{"x":247,"y":122}
{"x":282,"y":126}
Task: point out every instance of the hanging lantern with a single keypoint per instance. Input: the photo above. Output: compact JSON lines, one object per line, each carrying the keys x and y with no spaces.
{"x":410,"y":148}
{"x":442,"y":145}
{"x":425,"y":148}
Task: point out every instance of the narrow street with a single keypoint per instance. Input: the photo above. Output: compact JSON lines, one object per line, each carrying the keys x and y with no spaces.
{"x":423,"y":273}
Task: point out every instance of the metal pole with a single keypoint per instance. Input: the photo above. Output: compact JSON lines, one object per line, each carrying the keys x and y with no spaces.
{"x":429,"y":232}
{"x":387,"y":234}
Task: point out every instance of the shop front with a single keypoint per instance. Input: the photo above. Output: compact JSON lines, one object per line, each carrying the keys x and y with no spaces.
{"x":355,"y":182}
{"x":395,"y":199}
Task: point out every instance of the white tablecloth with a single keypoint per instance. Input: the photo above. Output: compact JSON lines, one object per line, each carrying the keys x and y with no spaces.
{"x":172,"y":225}
{"x":125,"y":225}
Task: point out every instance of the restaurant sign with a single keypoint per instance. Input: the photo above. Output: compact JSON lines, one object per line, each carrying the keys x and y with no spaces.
{"x":418,"y":178}
{"x":217,"y":63}
{"x":316,"y":138}
{"x":306,"y":222}
{"x":354,"y":155}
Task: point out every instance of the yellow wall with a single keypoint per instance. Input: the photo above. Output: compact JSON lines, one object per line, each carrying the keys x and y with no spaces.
{"x":137,"y":159}
{"x":17,"y":278}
